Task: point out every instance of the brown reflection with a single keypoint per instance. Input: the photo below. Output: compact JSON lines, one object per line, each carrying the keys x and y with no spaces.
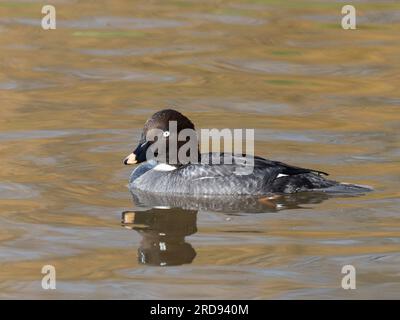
{"x":163,"y":234}
{"x":164,"y":221}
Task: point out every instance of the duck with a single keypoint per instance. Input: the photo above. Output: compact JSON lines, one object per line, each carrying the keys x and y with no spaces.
{"x":203,"y":176}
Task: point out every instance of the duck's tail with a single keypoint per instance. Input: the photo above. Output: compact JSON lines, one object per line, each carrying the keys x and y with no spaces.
{"x":347,"y":188}
{"x":316,"y":182}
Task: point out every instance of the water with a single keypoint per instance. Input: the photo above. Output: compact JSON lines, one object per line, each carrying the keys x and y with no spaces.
{"x":73,"y":101}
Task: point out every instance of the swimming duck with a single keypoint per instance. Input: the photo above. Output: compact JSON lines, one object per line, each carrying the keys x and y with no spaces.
{"x":204,"y":177}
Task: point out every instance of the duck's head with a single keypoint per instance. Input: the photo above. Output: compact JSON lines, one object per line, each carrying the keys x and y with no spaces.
{"x":165,"y":135}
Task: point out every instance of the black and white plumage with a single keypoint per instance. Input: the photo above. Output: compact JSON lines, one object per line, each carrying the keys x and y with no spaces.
{"x":206,"y":178}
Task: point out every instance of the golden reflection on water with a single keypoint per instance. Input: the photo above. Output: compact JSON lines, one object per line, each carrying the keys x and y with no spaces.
{"x":74,"y":101}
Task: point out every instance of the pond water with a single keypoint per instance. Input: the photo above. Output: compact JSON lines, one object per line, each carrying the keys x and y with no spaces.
{"x":74,"y":100}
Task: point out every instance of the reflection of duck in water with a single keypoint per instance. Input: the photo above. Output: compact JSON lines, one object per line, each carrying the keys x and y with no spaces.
{"x":228,"y":204}
{"x":165,"y":220}
{"x":163,"y":235}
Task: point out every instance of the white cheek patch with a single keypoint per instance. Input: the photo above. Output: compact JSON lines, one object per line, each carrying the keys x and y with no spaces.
{"x":164,"y":167}
{"x":281,"y":175}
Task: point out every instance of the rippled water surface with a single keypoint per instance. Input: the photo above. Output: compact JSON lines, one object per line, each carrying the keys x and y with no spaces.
{"x":74,"y":99}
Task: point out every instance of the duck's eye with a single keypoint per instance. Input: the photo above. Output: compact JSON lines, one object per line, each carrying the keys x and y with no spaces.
{"x":166,"y":134}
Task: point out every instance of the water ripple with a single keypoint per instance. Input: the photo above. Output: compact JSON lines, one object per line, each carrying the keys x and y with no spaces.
{"x":9,"y":190}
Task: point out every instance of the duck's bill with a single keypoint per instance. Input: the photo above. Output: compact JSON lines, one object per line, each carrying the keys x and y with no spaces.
{"x":131,"y":159}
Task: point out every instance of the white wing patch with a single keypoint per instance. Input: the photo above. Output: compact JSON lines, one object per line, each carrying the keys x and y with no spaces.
{"x":281,"y":175}
{"x":164,"y":167}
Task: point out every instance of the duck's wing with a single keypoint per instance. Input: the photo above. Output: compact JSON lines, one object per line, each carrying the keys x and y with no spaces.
{"x":231,"y":162}
{"x":228,"y":173}
{"x":284,"y":168}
